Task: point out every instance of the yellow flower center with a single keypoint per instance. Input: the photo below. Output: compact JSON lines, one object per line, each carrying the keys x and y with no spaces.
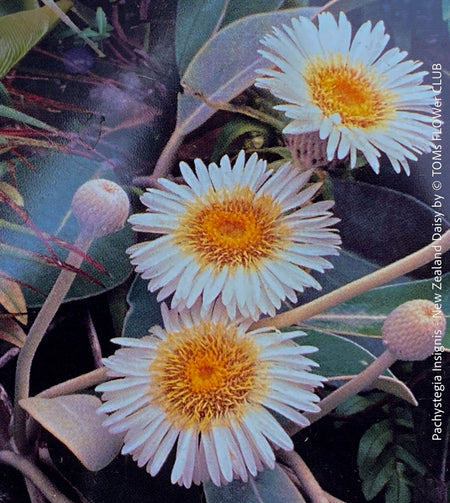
{"x":206,"y":374}
{"x":232,"y":228}
{"x":350,"y":90}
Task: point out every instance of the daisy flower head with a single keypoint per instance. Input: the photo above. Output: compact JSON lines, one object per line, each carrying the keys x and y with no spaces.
{"x":356,"y":95}
{"x":237,"y":234}
{"x":206,"y":385}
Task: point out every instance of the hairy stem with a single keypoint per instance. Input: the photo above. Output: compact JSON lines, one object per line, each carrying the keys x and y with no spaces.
{"x":36,"y":334}
{"x":33,"y":473}
{"x":346,"y":292}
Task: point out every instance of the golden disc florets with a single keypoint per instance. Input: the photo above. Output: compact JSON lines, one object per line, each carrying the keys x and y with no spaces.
{"x":409,"y":331}
{"x":203,"y":374}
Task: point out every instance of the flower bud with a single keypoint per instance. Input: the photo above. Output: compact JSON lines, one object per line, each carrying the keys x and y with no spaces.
{"x":409,"y":332}
{"x":100,"y":206}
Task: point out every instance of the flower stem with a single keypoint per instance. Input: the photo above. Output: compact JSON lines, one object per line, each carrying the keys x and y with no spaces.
{"x":350,"y":388}
{"x":304,"y":475}
{"x":33,"y":473}
{"x":36,"y":334}
{"x":361,"y":285}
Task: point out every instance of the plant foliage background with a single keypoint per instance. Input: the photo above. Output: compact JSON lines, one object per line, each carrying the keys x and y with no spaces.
{"x":67,"y":114}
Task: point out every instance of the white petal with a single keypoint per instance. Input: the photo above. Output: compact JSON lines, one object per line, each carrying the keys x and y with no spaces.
{"x":211,"y":457}
{"x":186,"y":450}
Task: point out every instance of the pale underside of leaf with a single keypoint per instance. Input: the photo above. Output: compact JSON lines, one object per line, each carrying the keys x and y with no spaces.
{"x":73,"y":419}
{"x":387,"y":384}
{"x":225,"y":66}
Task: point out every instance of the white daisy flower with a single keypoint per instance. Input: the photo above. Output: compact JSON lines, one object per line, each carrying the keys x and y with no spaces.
{"x":355,"y":95}
{"x":206,"y":385}
{"x":238,"y":234}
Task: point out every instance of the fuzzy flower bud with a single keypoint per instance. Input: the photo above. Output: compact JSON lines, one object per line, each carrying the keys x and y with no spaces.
{"x":100,"y":206}
{"x":410,"y":329}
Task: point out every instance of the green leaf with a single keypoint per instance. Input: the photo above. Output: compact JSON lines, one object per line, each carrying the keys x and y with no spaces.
{"x":5,"y":98}
{"x":48,"y":193}
{"x":373,"y":235}
{"x":371,"y":445}
{"x":196,"y":21}
{"x":238,"y":9}
{"x":199,"y":20}
{"x":231,"y":131}
{"x":74,"y":420}
{"x":354,"y":405}
{"x":102,"y":22}
{"x":11,"y":113}
{"x":364,"y":315}
{"x":10,"y":6}
{"x":269,"y":486}
{"x":144,"y":310}
{"x":240,"y":52}
{"x":371,"y":229}
{"x":372,"y":485}
{"x":403,"y":417}
{"x":337,"y":355}
{"x":397,"y":490}
{"x":290,"y":4}
{"x":445,"y":10}
{"x":405,"y":456}
{"x":21,"y":31}
{"x":233,"y":46}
